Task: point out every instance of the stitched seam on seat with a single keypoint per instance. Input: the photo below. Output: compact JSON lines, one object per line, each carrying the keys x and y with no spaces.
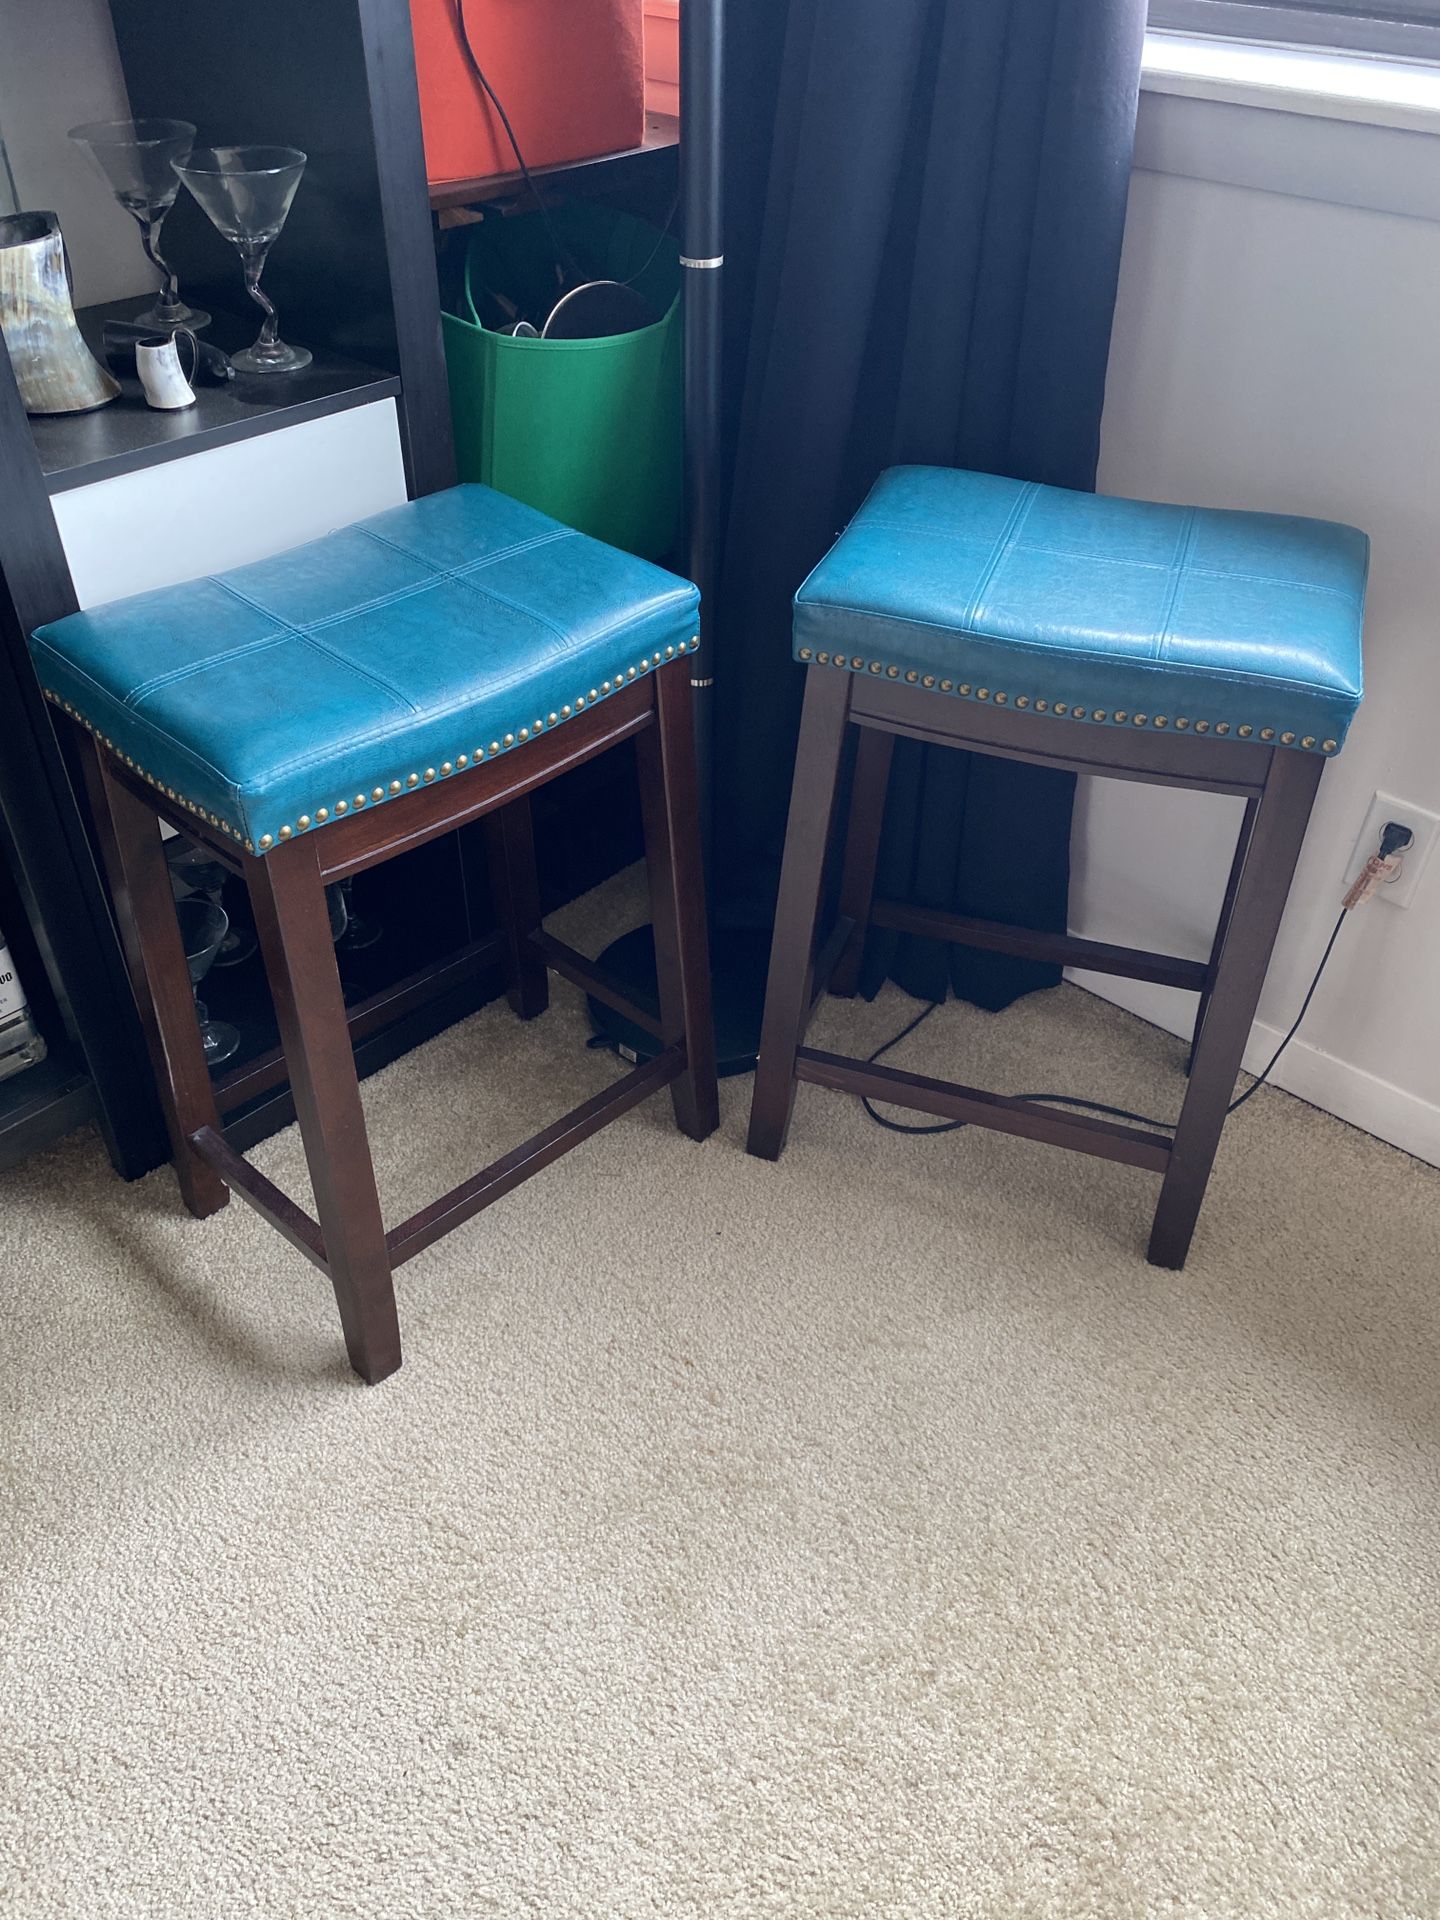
{"x":140,"y":720}
{"x":301,"y":633}
{"x":1118,"y":560}
{"x":1010,"y":533}
{"x":437,"y":575}
{"x":1086,"y":654}
{"x":158,"y":680}
{"x":486,"y":593}
{"x":1182,"y":559}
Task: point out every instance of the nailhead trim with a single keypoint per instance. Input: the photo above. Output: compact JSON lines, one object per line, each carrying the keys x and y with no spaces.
{"x":1062,"y":710}
{"x":445,"y":770}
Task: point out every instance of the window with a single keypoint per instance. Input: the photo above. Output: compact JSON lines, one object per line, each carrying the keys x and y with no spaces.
{"x":1403,"y":29}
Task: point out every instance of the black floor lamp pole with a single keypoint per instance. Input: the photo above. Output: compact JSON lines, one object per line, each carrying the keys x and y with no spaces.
{"x":702,"y":201}
{"x":738,"y":954}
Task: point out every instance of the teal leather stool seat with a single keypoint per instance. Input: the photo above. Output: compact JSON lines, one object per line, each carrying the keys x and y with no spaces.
{"x":1177,"y":645}
{"x":1115,"y":613}
{"x":310,"y":716}
{"x":279,"y":696}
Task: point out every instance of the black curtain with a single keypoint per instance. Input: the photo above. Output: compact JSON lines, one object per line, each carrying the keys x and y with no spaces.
{"x":926,"y":201}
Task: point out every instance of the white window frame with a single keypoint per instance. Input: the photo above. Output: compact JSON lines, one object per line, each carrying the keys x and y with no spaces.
{"x":1393,"y":29}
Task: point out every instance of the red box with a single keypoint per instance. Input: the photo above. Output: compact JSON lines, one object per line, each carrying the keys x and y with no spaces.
{"x":570,"y":74}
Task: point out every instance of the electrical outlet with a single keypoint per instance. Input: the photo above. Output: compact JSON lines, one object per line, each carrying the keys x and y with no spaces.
{"x":1425,"y":826}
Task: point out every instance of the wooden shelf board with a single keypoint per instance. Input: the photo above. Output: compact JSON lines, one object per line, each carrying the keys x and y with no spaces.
{"x":42,"y":1103}
{"x":662,"y":137}
{"x":77,"y":449}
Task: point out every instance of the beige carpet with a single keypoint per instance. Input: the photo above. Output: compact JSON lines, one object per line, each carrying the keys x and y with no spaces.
{"x":871,"y":1535}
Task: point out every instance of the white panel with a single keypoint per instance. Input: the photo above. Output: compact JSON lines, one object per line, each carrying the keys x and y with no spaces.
{"x":1281,"y":354}
{"x":230,"y":505}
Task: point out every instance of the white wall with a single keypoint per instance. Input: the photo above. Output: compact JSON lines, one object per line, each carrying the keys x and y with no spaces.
{"x":1282,"y":352}
{"x":58,"y":68}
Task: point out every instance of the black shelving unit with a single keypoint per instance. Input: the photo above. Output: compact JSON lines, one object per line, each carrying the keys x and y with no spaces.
{"x":355,"y":280}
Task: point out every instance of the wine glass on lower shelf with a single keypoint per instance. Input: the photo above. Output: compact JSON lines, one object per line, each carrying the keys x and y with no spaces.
{"x":247,"y":191}
{"x":135,"y":158}
{"x":203,"y":926}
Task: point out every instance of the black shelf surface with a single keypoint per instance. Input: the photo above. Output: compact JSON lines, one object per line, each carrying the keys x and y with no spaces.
{"x":658,"y":148}
{"x":78,"y":448}
{"x":42,"y":1103}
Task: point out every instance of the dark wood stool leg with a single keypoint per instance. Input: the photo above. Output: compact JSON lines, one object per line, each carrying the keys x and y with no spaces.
{"x":1264,"y":885}
{"x":139,"y":877}
{"x":862,"y":850}
{"x":294,"y":927}
{"x":669,"y":800}
{"x":515,"y":886}
{"x":802,"y":877}
{"x":1222,"y":926}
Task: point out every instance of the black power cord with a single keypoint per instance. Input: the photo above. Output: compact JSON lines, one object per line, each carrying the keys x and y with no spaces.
{"x":564,"y":259}
{"x":1396,"y":837}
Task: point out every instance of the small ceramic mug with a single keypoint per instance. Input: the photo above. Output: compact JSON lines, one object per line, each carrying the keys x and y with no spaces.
{"x":166,"y":381}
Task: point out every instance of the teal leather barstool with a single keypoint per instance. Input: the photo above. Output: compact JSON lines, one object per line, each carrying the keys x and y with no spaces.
{"x":315,"y":714}
{"x":1176,"y":645}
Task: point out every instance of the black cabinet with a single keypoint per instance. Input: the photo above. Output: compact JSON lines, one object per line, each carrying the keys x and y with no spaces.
{"x":355,"y":280}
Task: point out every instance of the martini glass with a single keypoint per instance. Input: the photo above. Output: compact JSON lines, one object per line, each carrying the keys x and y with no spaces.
{"x":135,"y":158}
{"x":247,"y":191}
{"x":203,"y":927}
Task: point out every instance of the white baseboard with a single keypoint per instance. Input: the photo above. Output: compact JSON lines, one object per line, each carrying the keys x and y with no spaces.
{"x":1332,"y":1084}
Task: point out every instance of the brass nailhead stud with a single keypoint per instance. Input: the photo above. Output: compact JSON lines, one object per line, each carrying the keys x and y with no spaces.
{"x":412,"y":779}
{"x":322,"y":814}
{"x":1287,"y":739}
{"x":1161,"y":720}
{"x":1245,"y":732}
{"x":341,"y":806}
{"x":303,"y":822}
{"x":378,"y":794}
{"x":524,"y":733}
{"x":429,"y":773}
{"x":1308,"y":741}
{"x":1099,"y":714}
{"x":566,"y":711}
{"x":604,"y":688}
{"x":1023,"y":701}
{"x":359,"y":799}
{"x":982,"y":693}
{"x":1181,"y":725}
{"x":463,"y":760}
{"x":1138,"y":719}
{"x":823,"y":658}
{"x":554,"y":718}
{"x":1121,"y":716}
{"x":509,"y":740}
{"x":249,"y":846}
{"x":1202,"y":726}
{"x":912,"y":677}
{"x":893,"y":672}
{"x":630,"y":673}
{"x":1267,"y":733}
{"x":1060,"y":707}
{"x":1330,"y":745}
{"x":1042,"y":706}
{"x":446,"y":767}
{"x":1223,"y":727}
{"x":266,"y":842}
{"x":947,"y":686}
{"x":594,"y":695}
{"x":1001,"y":698}
{"x":965,"y":687}
{"x":857,"y":662}
{"x":286,"y":832}
{"x":876,"y":666}
{"x":494,"y":746}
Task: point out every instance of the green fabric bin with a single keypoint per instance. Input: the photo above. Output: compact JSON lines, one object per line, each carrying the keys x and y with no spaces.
{"x":588,"y":431}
